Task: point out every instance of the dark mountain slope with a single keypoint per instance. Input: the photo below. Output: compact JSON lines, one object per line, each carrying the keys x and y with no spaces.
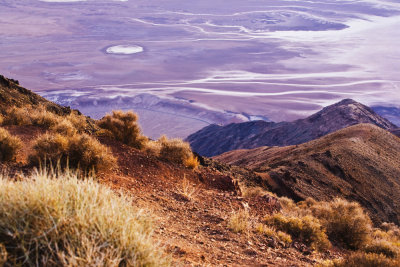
{"x":360,"y":163}
{"x":214,"y":140}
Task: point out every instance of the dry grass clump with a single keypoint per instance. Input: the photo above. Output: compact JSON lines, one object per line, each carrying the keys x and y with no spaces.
{"x":174,"y":150}
{"x":79,"y":122}
{"x":192,"y":162}
{"x":239,"y":221}
{"x":3,"y":255}
{"x":361,"y":259}
{"x":252,"y":191}
{"x":345,"y":222}
{"x":17,"y":116}
{"x":124,"y":127}
{"x":187,"y":190}
{"x":64,"y":127}
{"x":273,"y":233}
{"x":78,"y":151}
{"x":9,"y":145}
{"x":153,"y":148}
{"x":42,"y":117}
{"x":49,"y":220}
{"x":383,"y":247}
{"x":307,"y":229}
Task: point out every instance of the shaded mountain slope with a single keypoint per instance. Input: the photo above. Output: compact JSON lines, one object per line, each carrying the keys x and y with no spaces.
{"x":360,"y":163}
{"x":214,"y":140}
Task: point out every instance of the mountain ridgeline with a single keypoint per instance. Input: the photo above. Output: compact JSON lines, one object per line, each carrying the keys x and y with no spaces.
{"x":360,"y":162}
{"x":214,"y":140}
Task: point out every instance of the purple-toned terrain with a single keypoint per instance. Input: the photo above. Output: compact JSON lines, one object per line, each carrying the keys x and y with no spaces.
{"x":185,"y":64}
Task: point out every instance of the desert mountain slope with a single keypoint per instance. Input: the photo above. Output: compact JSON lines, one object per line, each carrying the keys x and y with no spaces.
{"x":13,"y":95}
{"x":360,"y":163}
{"x":214,"y":140}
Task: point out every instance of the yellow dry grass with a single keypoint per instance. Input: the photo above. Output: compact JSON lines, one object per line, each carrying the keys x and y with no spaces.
{"x":58,"y":220}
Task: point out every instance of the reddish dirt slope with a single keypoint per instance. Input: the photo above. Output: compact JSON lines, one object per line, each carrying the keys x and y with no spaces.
{"x":194,"y":230}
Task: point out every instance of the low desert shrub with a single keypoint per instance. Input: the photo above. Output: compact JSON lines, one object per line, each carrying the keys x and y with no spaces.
{"x":192,"y":162}
{"x":306,"y":229}
{"x":79,"y":122}
{"x":382,"y":247}
{"x":42,"y":117}
{"x":17,"y":116}
{"x":124,"y":127}
{"x":153,"y":148}
{"x":273,"y":233}
{"x":49,"y":220}
{"x":87,"y":153}
{"x":187,"y":190}
{"x":9,"y":145}
{"x":3,"y":255}
{"x":64,"y":127}
{"x":175,"y":150}
{"x":239,"y":221}
{"x":361,"y":259}
{"x":50,"y":148}
{"x":345,"y":222}
{"x":252,"y":191}
{"x":77,"y":151}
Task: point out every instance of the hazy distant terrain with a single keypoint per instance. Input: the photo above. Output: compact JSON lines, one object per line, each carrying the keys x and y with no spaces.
{"x":185,"y":64}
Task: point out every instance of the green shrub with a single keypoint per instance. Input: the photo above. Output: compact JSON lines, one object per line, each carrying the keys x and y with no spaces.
{"x":9,"y":145}
{"x":345,"y":222}
{"x":77,"y":151}
{"x":62,"y":221}
{"x":306,"y":229}
{"x":124,"y":127}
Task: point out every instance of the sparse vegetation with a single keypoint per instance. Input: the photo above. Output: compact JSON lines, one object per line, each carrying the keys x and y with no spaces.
{"x":77,"y":151}
{"x":192,"y":162}
{"x":9,"y":145}
{"x":383,"y":247}
{"x":42,"y":117}
{"x":361,"y":259}
{"x":345,"y":222}
{"x":174,"y":150}
{"x":58,"y":220}
{"x":64,"y":127}
{"x":124,"y":127}
{"x":273,"y":233}
{"x":187,"y":190}
{"x":153,"y":148}
{"x":17,"y":116}
{"x":239,"y":221}
{"x":306,"y":229}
